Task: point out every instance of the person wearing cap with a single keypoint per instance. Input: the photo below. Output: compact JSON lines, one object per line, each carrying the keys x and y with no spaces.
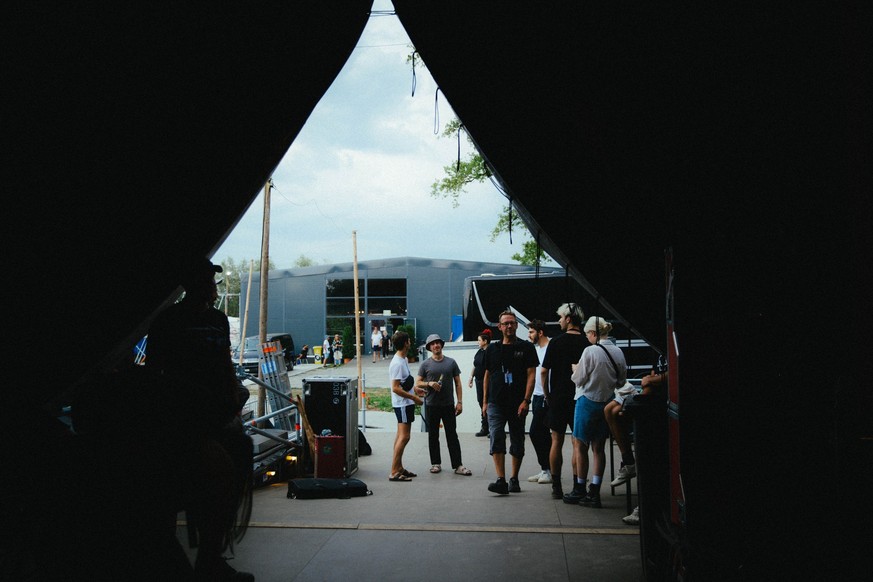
{"x":438,"y":374}
{"x":510,"y":366}
{"x":189,"y":344}
{"x":601,"y":369}
{"x":478,"y":375}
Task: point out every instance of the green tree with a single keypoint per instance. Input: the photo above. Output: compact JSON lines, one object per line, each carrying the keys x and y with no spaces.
{"x":235,"y":275}
{"x":474,"y":169}
{"x":303,"y":261}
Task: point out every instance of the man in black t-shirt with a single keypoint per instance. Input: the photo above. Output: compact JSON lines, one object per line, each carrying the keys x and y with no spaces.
{"x":564,"y":351}
{"x":510,"y":367}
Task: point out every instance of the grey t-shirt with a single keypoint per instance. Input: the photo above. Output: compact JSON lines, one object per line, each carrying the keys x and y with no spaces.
{"x":444,"y":372}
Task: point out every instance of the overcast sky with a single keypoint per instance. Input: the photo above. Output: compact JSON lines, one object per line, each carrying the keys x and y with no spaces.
{"x":365,"y":162}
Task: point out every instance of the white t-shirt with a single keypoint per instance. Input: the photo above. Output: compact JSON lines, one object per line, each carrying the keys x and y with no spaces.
{"x":398,"y":369}
{"x":376,"y":339}
{"x":541,"y":354}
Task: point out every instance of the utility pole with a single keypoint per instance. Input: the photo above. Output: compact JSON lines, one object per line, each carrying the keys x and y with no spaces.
{"x":265,"y":271}
{"x":357,"y":314}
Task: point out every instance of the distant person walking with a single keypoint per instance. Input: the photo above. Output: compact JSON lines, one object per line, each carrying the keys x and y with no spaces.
{"x":386,"y":345}
{"x":376,"y":344}
{"x":337,"y":350}
{"x":326,"y":352}
{"x":438,"y":375}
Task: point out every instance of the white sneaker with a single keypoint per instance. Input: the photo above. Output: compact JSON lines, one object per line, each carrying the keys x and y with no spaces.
{"x":536,"y":478}
{"x":545,"y":478}
{"x":625,"y":473}
{"x":633,"y":518}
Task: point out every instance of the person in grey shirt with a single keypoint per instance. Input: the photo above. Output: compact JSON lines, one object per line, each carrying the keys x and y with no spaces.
{"x":437,"y":375}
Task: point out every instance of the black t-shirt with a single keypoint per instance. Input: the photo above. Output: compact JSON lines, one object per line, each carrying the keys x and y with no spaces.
{"x":479,"y":367}
{"x":504,"y":361}
{"x":192,"y":346}
{"x":563,"y":351}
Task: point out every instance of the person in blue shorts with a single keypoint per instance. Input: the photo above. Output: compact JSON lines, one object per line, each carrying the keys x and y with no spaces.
{"x":600,"y":370}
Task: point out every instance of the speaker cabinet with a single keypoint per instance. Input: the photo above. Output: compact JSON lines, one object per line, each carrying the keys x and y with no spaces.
{"x":332,"y":403}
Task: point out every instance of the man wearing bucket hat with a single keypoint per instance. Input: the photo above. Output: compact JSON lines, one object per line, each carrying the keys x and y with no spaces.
{"x":437,"y":375}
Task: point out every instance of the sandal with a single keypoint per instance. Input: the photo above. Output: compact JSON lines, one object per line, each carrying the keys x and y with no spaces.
{"x":462,"y":470}
{"x":409,"y":474}
{"x":399,"y":477}
{"x":435,"y":469}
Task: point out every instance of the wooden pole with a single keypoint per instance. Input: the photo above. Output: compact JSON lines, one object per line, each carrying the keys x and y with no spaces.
{"x":357,"y":316}
{"x":242,"y":341}
{"x":265,"y":272}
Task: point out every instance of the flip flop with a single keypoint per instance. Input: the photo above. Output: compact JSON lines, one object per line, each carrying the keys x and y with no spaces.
{"x":408,"y":473}
{"x":399,"y":477}
{"x":462,"y":470}
{"x":435,"y":469}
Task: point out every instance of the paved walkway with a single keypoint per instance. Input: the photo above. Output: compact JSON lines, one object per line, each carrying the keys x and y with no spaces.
{"x":437,"y":527}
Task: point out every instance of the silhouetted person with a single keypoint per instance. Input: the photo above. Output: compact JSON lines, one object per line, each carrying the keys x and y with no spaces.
{"x":189,"y":345}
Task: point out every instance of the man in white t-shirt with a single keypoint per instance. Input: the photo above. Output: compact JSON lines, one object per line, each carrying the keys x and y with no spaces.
{"x":404,"y":397}
{"x":540,"y":435}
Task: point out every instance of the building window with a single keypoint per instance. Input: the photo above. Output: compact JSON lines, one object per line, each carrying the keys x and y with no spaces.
{"x":386,"y":288}
{"x":340,"y":288}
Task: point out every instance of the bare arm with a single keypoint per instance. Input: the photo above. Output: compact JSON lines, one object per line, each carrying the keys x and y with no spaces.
{"x":396,"y":388}
{"x":459,"y":404}
{"x":544,"y":380}
{"x":528,"y":390}
{"x":486,"y":380}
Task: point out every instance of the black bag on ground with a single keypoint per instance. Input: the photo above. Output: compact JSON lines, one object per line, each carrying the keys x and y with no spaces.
{"x":316,"y":488}
{"x":364,"y":447}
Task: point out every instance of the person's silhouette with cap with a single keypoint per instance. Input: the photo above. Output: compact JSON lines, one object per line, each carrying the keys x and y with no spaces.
{"x":189,"y":344}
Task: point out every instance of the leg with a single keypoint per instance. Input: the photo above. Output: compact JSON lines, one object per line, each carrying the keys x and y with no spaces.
{"x":450,"y":423}
{"x":497,"y":449}
{"x":516,"y":442}
{"x":434,"y":414}
{"x":400,"y":441}
{"x":556,"y":456}
{"x":580,"y":458}
{"x":539,"y":433}
{"x":598,"y":465}
{"x":618,"y":428}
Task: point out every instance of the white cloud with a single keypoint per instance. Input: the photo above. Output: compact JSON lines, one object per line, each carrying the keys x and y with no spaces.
{"x":365,"y":162}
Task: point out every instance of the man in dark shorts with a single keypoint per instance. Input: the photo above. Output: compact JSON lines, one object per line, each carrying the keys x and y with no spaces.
{"x":510,"y":367}
{"x":564,"y":351}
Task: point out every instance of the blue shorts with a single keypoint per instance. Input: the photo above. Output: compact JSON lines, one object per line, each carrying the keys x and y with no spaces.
{"x":589,"y":422}
{"x":405,"y":414}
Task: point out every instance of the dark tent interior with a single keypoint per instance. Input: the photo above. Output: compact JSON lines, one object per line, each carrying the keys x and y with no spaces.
{"x":732,"y":139}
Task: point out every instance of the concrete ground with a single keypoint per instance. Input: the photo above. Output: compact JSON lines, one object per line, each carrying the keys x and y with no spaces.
{"x":438,"y":526}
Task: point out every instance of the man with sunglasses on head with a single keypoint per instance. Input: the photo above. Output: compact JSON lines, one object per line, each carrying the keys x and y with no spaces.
{"x":510,"y":369}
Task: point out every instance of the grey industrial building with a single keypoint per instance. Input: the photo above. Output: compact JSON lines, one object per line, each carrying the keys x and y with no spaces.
{"x":311,"y":302}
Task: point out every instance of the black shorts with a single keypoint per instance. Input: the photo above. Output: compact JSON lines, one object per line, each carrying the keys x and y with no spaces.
{"x":559,"y":415}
